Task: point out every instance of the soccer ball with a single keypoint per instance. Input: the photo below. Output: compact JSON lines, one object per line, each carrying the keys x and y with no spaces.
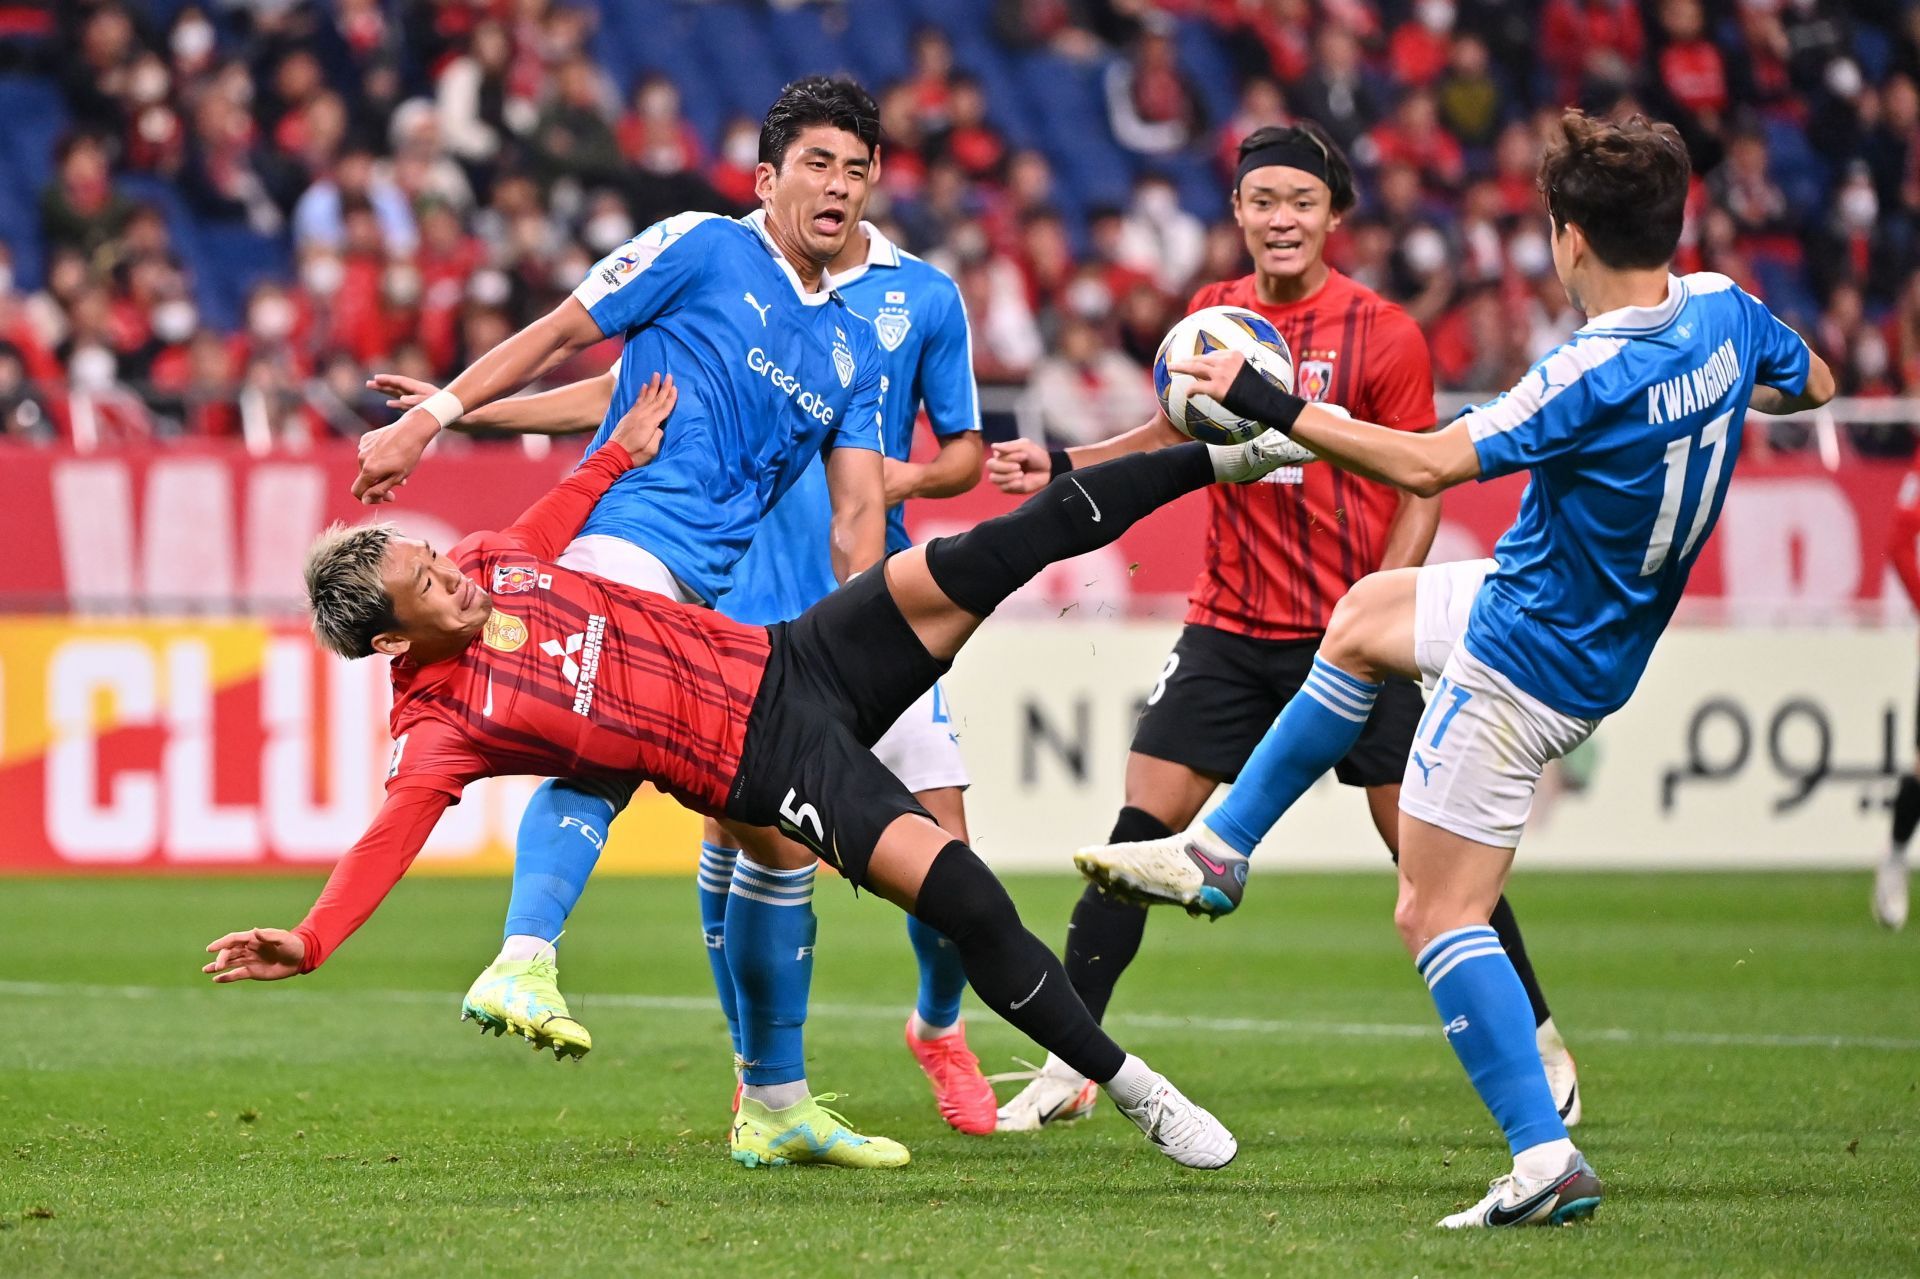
{"x":1214,"y":329}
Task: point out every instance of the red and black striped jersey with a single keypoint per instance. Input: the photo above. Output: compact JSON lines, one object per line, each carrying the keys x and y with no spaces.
{"x":1281,"y":552}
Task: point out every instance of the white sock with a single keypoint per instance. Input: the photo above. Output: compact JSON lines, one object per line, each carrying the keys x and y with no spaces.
{"x":921,"y":1030}
{"x":524,"y":946}
{"x":1131,"y":1083}
{"x":1548,"y":1159}
{"x":778,"y":1096}
{"x":1547,"y":1036}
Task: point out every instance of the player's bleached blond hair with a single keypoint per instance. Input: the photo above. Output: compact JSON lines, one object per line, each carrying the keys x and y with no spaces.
{"x":345,"y":591}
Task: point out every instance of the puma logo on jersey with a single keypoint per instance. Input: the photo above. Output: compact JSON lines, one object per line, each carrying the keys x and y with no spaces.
{"x":754,"y":302}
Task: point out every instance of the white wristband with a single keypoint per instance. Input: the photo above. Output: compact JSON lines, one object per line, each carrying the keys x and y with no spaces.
{"x":444,"y":407}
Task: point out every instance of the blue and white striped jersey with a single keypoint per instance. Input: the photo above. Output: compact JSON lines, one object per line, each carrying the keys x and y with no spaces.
{"x":926,"y":358}
{"x":1630,"y":430}
{"x":768,"y":374}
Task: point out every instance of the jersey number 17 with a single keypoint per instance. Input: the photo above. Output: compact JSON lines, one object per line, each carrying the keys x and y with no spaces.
{"x":1712,"y":436}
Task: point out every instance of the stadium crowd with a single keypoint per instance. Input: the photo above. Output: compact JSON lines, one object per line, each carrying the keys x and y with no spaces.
{"x":442,"y":172}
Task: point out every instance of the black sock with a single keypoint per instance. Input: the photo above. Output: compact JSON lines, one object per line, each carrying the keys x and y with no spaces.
{"x":1011,"y":970}
{"x":1105,"y":933}
{"x":1906,"y":811}
{"x":1507,"y":928}
{"x":1080,"y":512}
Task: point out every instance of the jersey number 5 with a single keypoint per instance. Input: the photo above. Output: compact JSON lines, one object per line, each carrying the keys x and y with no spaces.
{"x":1712,"y":436}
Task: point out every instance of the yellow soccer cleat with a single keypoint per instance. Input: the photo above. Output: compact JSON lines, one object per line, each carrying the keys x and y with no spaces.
{"x":807,"y":1133}
{"x":522,"y":997}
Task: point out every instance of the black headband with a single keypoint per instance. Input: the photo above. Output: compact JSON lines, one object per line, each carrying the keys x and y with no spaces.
{"x":1302,"y":153}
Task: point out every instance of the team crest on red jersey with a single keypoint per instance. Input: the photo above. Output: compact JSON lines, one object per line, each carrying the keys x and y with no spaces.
{"x":514,"y":579}
{"x":1316,"y":379}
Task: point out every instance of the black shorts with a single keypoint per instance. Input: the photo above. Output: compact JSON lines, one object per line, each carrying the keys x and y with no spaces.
{"x":1219,"y":693}
{"x":837,"y":678}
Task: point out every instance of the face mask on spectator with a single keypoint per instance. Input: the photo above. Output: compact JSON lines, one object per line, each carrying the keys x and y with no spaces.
{"x":401,"y":285}
{"x":322,"y":274}
{"x":490,"y":288}
{"x":605,"y":232}
{"x":1157,"y":201}
{"x":1859,"y":206}
{"x":743,"y":150}
{"x":149,"y":83}
{"x":270,"y":319}
{"x":569,"y":270}
{"x":1532,"y":255}
{"x":193,"y":40}
{"x":1089,"y":298}
{"x":1425,"y":250}
{"x":174,"y":321}
{"x":1435,"y":15}
{"x":91,"y":370}
{"x":1843,"y":78}
{"x":1870,"y":355}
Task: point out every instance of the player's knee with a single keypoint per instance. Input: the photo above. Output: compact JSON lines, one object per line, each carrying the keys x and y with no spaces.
{"x":1353,"y":629}
{"x":962,"y":899}
{"x":1412,"y":919}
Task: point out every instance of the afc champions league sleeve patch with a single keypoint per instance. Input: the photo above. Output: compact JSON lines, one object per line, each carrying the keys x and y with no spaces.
{"x":504,"y":631}
{"x":393,"y":758}
{"x":842,"y":357}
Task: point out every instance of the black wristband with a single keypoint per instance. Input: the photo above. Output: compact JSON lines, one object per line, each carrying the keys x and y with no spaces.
{"x":1058,"y":464}
{"x":1252,"y":396}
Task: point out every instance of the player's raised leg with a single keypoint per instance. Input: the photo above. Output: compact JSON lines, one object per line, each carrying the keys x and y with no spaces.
{"x":561,"y":834}
{"x":1890,"y":879}
{"x":1204,"y":868}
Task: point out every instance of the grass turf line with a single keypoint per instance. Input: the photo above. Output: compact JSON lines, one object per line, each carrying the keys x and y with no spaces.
{"x":358,"y":1128}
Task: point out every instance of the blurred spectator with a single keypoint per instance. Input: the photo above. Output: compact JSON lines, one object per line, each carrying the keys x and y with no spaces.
{"x":97,"y":73}
{"x":1420,"y":47}
{"x":573,"y":138}
{"x":80,"y":209}
{"x":1746,"y":190}
{"x":1468,"y":95}
{"x":731,"y":173}
{"x":971,"y":144}
{"x":930,"y":80}
{"x":654,"y":136}
{"x":24,"y":416}
{"x":220,"y":178}
{"x":1335,"y":93}
{"x":1692,"y":75}
{"x":1282,"y":29}
{"x":1588,"y":46}
{"x":479,"y":110}
{"x":319,"y":219}
{"x":1261,"y":104}
{"x":1160,"y":238}
{"x":1087,"y":390}
{"x":1061,"y":25}
{"x":1151,"y":107}
{"x":1412,"y":136}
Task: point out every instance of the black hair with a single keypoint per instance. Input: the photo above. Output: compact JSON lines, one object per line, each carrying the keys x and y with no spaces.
{"x":1339,"y":175}
{"x":1622,"y":182}
{"x":828,"y":100}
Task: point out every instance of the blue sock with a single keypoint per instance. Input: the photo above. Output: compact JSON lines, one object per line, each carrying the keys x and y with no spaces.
{"x":711,"y":881}
{"x":1314,"y":732}
{"x":1486,"y":1017}
{"x":561,"y":835}
{"x":942,"y":979}
{"x":770,"y":928}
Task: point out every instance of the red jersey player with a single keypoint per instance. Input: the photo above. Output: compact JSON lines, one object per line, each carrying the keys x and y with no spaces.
{"x":1890,"y":881}
{"x":505,"y":662}
{"x":1279,"y":556}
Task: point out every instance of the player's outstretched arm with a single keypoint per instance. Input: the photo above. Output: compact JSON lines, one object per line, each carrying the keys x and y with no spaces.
{"x":857,"y":534}
{"x":549,"y":524}
{"x":1819,"y":389}
{"x":389,"y":454}
{"x":573,"y":409}
{"x":953,"y":470}
{"x":1024,"y":466}
{"x":1425,"y":464}
{"x":359,"y":883}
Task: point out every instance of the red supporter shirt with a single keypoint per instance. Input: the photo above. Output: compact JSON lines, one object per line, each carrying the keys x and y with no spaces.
{"x":1903,"y":542}
{"x":1281,"y":552}
{"x":572,"y":676}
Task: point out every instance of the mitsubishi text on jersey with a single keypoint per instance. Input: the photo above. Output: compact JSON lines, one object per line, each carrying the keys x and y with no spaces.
{"x":926,"y":358}
{"x":1631,"y":430}
{"x":768,"y":375}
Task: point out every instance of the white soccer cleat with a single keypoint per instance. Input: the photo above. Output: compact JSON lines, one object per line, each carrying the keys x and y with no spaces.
{"x":1262,"y":455}
{"x":1055,"y":1095}
{"x":1194,"y":869}
{"x":1513,"y":1200}
{"x":1890,"y":892}
{"x":1186,"y":1133}
{"x":1562,"y":1077}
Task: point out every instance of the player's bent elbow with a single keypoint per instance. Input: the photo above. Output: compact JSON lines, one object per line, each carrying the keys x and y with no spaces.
{"x":1821,"y":385}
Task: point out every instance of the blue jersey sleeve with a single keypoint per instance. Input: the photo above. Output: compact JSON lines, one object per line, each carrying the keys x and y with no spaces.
{"x":1546,"y":414}
{"x":946,"y":372}
{"x":862,"y":428}
{"x":1781,"y":357}
{"x":644,"y":278}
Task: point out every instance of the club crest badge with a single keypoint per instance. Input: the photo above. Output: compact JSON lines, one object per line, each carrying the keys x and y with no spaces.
{"x":842,"y":358}
{"x":891,"y":328}
{"x":1316,"y":379}
{"x":504,"y":631}
{"x":514,"y":579}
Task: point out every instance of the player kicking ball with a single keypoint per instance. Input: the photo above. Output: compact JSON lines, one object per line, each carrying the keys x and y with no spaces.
{"x":1630,"y":431}
{"x":767,"y":726}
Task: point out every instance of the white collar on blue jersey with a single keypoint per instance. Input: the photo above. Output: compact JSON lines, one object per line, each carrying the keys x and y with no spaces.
{"x":1628,"y":320}
{"x":758,"y":221}
{"x":880,"y":252}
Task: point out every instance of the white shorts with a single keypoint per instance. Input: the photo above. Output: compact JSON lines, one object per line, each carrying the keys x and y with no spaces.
{"x":619,"y":560}
{"x":920,"y":749}
{"x":1482,"y":744}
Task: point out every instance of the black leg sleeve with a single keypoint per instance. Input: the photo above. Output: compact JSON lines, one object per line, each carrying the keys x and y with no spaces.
{"x":1105,"y":933}
{"x":1906,"y":810}
{"x":1507,"y":928}
{"x":1011,"y":970}
{"x":1079,"y":512}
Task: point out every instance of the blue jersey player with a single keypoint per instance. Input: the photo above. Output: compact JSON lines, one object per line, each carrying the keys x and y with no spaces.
{"x":927,"y":359}
{"x":1630,"y":432}
{"x":772,"y":369}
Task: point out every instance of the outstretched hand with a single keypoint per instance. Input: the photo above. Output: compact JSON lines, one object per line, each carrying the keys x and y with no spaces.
{"x":1210,"y":375}
{"x":642,"y":429}
{"x":258,"y":954}
{"x":1019,"y":466}
{"x":403,"y":392}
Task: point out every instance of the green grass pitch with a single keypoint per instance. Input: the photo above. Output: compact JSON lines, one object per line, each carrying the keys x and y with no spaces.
{"x":1749,"y":1049}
